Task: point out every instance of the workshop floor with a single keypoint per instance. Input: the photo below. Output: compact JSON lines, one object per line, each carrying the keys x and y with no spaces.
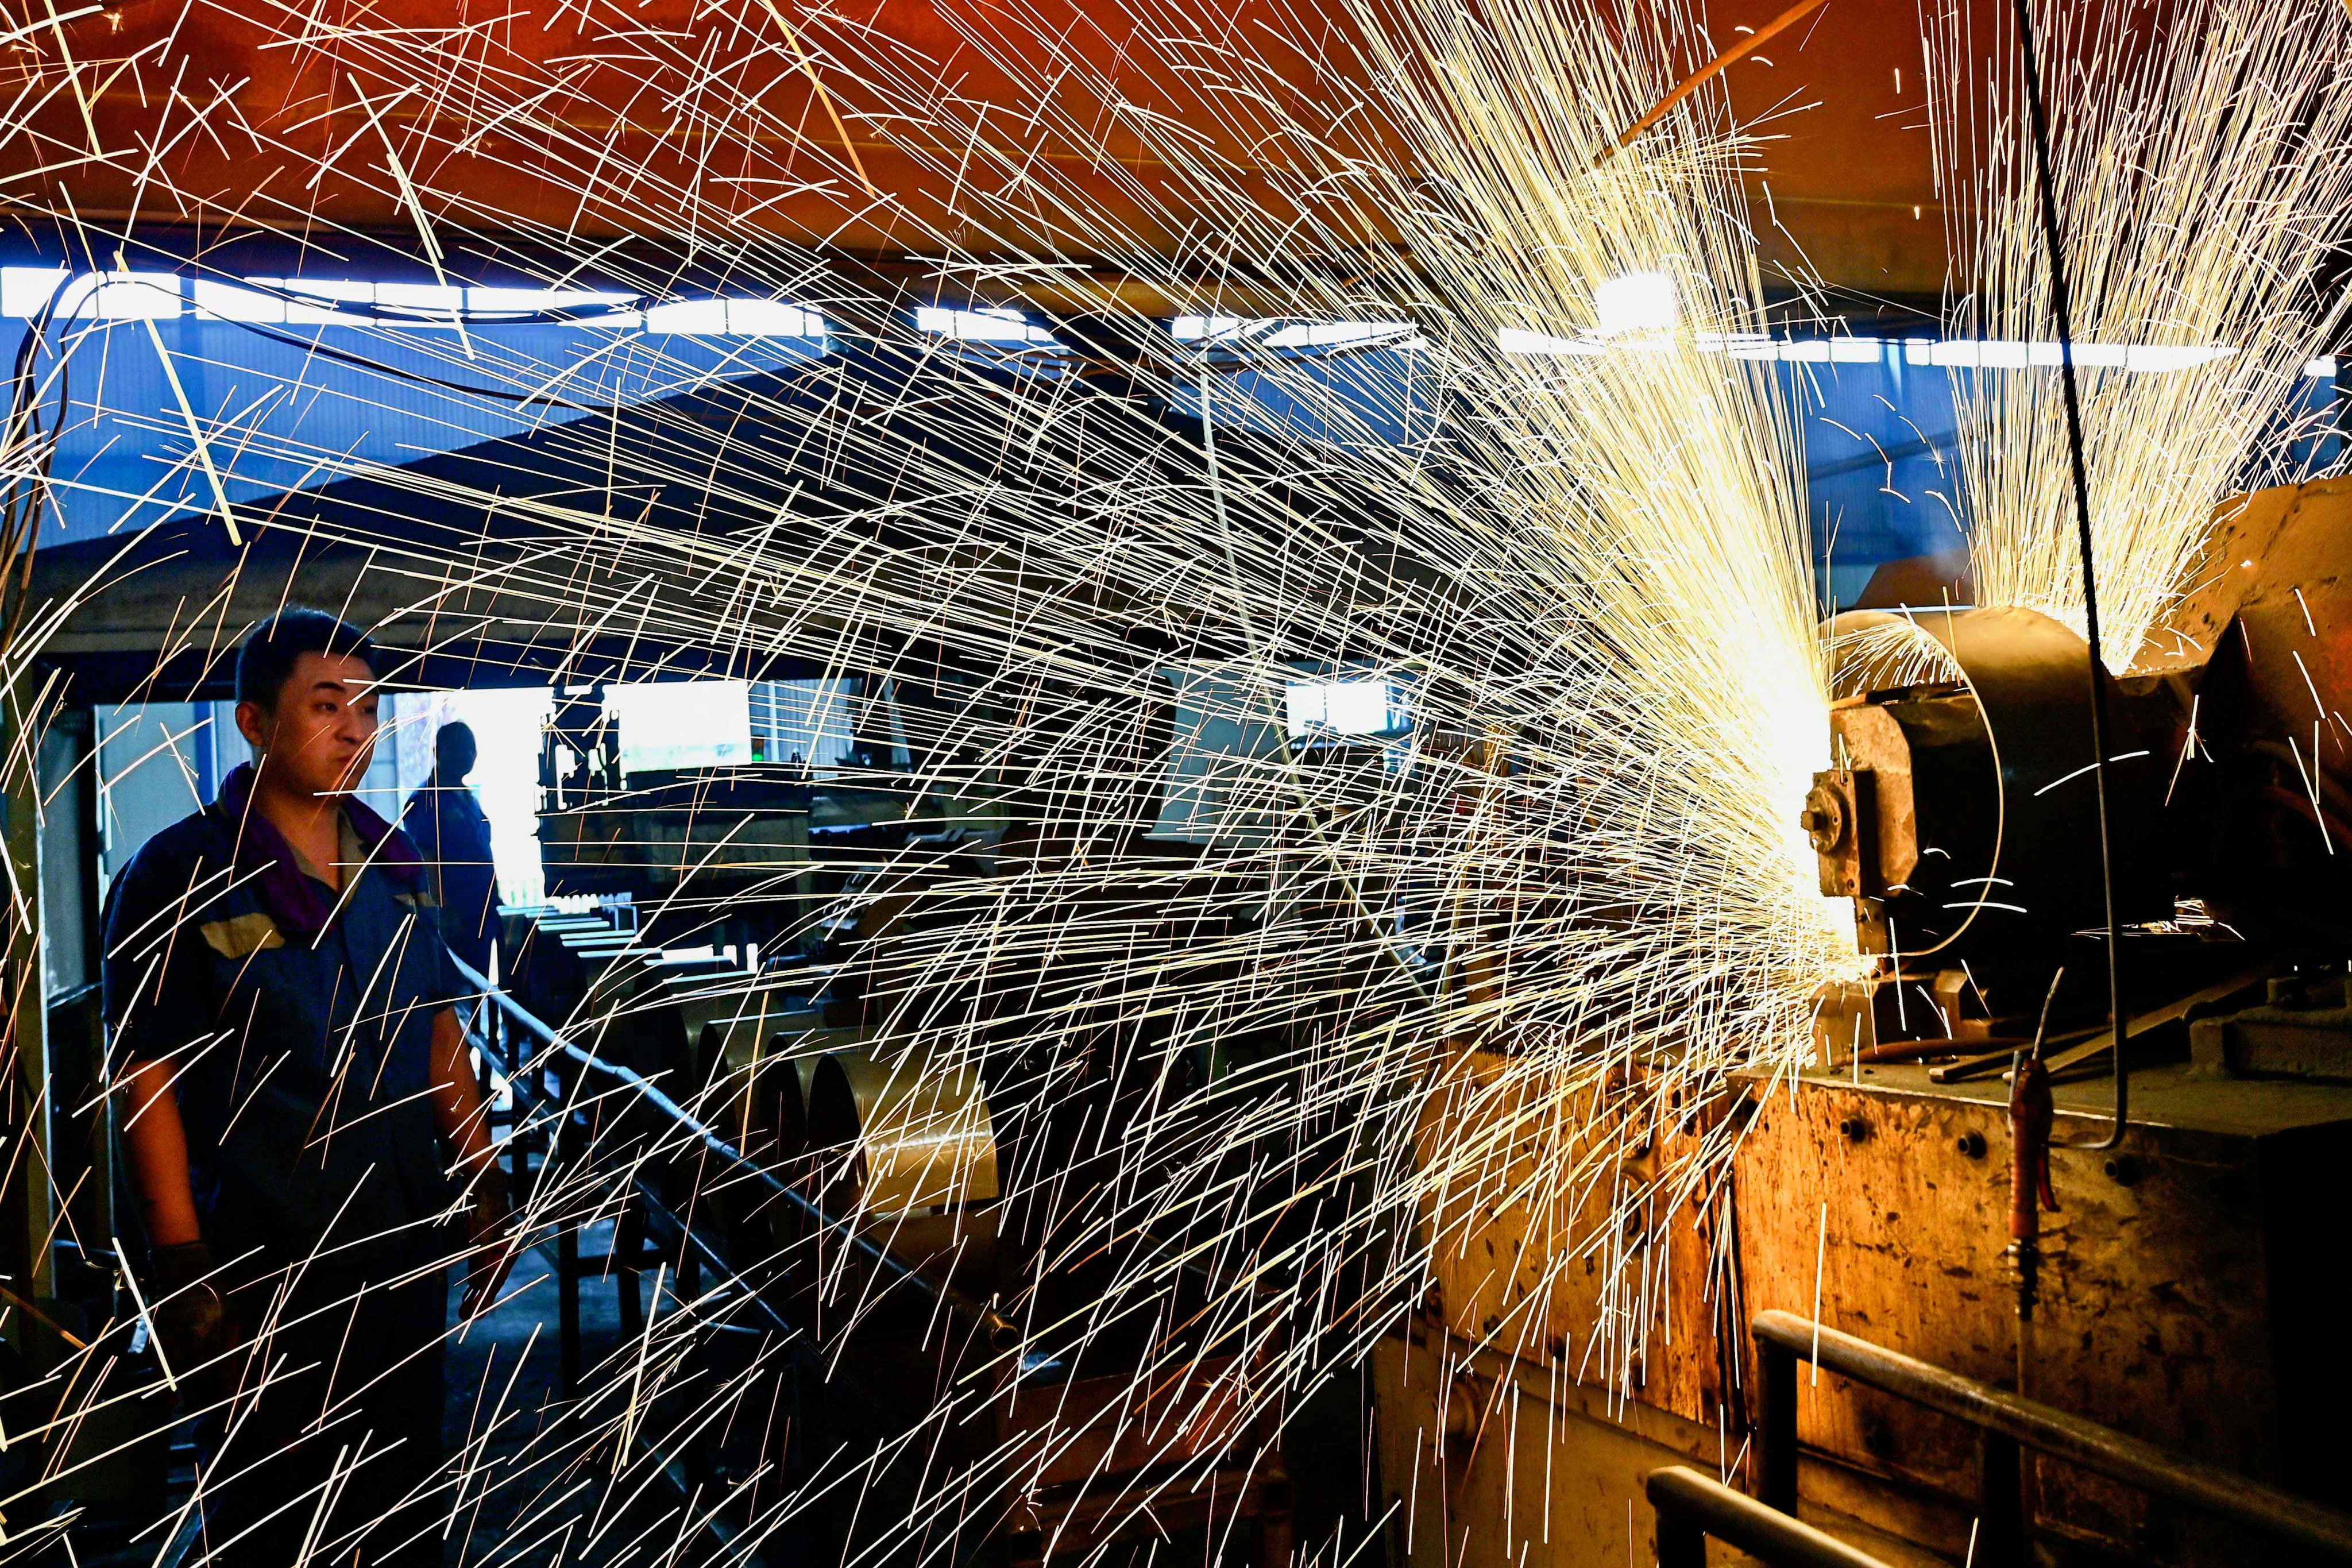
{"x":525,"y":1507}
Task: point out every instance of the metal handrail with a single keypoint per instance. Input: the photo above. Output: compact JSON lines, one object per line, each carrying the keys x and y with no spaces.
{"x":2011,"y":1421}
{"x":1691,"y":1506}
{"x":1000,"y":1332}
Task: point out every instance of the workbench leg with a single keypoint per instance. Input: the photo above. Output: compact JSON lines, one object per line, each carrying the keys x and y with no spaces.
{"x":1776,"y":1427}
{"x":1681,"y":1543}
{"x":629,"y":1248}
{"x":2001,"y":1504}
{"x":567,"y":1304}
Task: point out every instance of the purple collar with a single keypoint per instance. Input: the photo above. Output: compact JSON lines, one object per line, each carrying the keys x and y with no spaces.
{"x":298,"y":902}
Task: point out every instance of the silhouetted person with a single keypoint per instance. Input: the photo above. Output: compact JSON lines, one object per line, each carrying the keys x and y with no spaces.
{"x":448,"y":825}
{"x":303,"y":1126}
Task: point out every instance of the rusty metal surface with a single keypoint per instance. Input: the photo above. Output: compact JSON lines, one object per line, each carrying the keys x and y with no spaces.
{"x":1496,"y":1239}
{"x":1978,"y":801}
{"x":2171,"y":1300}
{"x":2302,"y":1029}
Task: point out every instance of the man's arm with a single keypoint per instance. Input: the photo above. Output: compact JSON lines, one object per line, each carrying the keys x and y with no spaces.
{"x":457,"y":1106}
{"x":190,"y":1315}
{"x":156,"y":1142}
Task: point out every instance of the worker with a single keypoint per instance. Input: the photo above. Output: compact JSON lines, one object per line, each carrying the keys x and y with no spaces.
{"x":302,"y":1125}
{"x":446,"y":823}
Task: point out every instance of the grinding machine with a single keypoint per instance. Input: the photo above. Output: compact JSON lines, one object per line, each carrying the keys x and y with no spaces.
{"x":2185,"y":1288}
{"x":2155,"y":1248}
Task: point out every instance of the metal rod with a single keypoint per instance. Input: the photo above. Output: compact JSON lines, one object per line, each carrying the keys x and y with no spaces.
{"x":1777,"y":1426}
{"x":2072,"y":1439}
{"x":2000,"y":1503}
{"x":1699,"y":78}
{"x":567,"y":1306}
{"x":2052,"y":240}
{"x":1000,"y":1332}
{"x":1692,"y":1507}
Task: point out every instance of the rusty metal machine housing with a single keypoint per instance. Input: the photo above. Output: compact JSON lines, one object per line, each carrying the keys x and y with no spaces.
{"x":1960,"y":813}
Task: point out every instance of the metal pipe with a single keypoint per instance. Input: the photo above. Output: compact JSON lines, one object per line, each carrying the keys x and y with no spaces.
{"x":1000,"y":1332}
{"x":2223,"y":1493}
{"x":1691,"y":1506}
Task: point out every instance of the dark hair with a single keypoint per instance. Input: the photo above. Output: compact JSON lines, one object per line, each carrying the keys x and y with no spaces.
{"x":270,"y":649}
{"x":455,"y":736}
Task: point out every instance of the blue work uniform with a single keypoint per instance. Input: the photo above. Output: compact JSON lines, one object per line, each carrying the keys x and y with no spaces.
{"x":302,"y":1062}
{"x":447,"y":824}
{"x":302,"y":1059}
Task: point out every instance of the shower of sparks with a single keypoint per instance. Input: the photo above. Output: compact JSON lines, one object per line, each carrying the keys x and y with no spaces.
{"x":1191,"y":1052}
{"x":2199,"y":152}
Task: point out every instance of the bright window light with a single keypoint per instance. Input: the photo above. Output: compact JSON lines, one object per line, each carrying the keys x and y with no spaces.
{"x":227,"y":302}
{"x":682,"y":724}
{"x":1333,"y":334}
{"x":123,"y":297}
{"x":771,"y":319}
{"x":1284,"y":334}
{"x":979,"y":326}
{"x":2011,"y":353}
{"x":1518,"y":341}
{"x":313,"y":300}
{"x":693,"y":318}
{"x":533,"y":302}
{"x":1818,"y":351}
{"x":1341,"y":708}
{"x":1637,"y":302}
{"x":734,"y":318}
{"x":433,"y":299}
{"x":2320,"y":369}
{"x":23,"y":290}
{"x":1192,"y":328}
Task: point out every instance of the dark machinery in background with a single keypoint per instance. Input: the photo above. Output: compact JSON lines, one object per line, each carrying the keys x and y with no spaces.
{"x":820,"y":1057}
{"x":1959,"y":817}
{"x":743,"y":856}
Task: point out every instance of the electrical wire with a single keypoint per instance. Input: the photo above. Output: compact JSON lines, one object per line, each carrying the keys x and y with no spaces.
{"x":2052,"y":234}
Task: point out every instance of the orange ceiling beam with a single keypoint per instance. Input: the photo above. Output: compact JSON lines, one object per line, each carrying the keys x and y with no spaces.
{"x":198,"y":115}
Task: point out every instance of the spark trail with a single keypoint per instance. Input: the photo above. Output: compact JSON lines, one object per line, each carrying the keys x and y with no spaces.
{"x":2198,"y":151}
{"x":1265,"y":1025}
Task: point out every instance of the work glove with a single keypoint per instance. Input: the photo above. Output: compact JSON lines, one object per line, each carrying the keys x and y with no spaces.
{"x":191,"y":1319}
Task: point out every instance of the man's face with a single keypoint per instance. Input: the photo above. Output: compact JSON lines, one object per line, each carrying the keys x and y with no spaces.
{"x":318,"y":738}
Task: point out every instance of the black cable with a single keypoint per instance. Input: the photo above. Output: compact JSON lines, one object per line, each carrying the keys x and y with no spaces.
{"x":2053,"y":241}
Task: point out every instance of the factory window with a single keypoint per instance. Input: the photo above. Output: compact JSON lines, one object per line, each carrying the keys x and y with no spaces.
{"x":157,"y":762}
{"x":682,"y":724}
{"x":811,"y":722}
{"x":1279,"y":333}
{"x":1332,"y":708}
{"x":26,"y":291}
{"x":979,"y":326}
{"x":1192,"y":328}
{"x":2002,"y":354}
{"x":507,"y":722}
{"x":101,"y":296}
{"x":734,"y":318}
